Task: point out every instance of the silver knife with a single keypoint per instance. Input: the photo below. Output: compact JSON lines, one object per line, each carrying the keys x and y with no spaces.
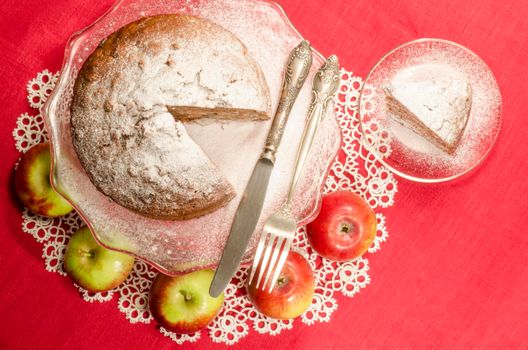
{"x":250,"y":206}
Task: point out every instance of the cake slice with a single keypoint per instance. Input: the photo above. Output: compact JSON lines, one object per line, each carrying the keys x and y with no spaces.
{"x":434,"y":101}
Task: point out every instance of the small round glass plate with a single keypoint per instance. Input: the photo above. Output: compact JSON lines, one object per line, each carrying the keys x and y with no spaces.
{"x":406,"y":153}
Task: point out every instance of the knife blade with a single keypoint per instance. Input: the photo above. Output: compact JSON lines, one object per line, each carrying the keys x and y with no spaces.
{"x":250,"y":207}
{"x":246,"y":218}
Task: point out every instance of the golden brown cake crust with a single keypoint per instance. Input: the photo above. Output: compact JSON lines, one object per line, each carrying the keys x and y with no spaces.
{"x":132,"y":148}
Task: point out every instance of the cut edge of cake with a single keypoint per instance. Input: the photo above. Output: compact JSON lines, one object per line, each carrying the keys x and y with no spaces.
{"x":405,"y":117}
{"x":191,"y":113}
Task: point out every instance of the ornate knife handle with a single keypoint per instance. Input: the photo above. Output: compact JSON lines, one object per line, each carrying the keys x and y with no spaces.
{"x":297,"y":70}
{"x":325,"y":84}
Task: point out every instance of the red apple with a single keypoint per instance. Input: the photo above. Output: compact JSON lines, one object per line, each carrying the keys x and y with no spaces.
{"x":182,"y":304}
{"x":292,"y":293}
{"x":92,"y":266}
{"x":32,"y":183}
{"x":344,"y":229}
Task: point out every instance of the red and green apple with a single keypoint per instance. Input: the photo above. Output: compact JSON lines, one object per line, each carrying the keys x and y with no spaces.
{"x":293,"y":291}
{"x":32,"y":183}
{"x":92,"y":266}
{"x":182,"y":304}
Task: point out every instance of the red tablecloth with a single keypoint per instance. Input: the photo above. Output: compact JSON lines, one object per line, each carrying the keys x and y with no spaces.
{"x":454,"y":272}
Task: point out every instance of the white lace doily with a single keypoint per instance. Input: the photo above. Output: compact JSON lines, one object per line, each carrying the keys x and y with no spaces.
{"x":357,"y":170}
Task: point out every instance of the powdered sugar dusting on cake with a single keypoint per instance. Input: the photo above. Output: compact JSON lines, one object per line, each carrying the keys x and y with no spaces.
{"x":122,"y":130}
{"x":437,"y":95}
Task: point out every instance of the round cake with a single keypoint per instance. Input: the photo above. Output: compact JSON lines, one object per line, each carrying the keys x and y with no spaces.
{"x":131,"y":97}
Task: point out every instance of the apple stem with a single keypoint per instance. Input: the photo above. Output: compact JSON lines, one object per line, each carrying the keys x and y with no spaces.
{"x":86,"y":253}
{"x":280,"y":281}
{"x":187,"y":296}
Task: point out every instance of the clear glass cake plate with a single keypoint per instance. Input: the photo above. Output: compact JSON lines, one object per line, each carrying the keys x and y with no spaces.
{"x":176,"y":247}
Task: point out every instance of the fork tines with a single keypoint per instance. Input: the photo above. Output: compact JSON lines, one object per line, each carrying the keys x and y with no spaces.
{"x":271,"y":254}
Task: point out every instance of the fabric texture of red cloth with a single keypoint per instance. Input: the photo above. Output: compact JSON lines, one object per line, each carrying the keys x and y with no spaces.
{"x":452,"y":275}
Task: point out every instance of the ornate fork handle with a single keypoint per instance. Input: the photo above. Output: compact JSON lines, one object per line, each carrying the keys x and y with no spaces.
{"x":297,"y":70}
{"x":325,"y":84}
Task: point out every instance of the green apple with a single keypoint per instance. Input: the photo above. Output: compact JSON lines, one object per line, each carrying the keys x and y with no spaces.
{"x":32,"y":183}
{"x":92,"y":266}
{"x":182,"y":304}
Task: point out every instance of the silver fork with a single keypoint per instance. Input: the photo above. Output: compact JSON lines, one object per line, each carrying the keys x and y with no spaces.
{"x":279,"y":230}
